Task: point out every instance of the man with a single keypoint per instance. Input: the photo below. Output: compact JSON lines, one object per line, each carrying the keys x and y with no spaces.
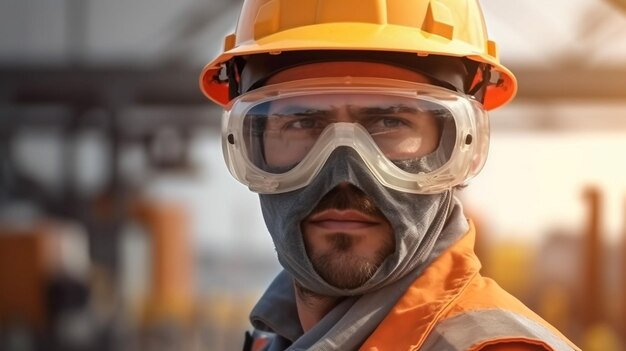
{"x":355,"y":120}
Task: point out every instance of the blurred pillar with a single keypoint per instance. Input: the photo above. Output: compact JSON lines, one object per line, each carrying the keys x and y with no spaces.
{"x":592,"y":287}
{"x":23,"y":277}
{"x":623,"y":270}
{"x":171,"y":294}
{"x":110,"y":211}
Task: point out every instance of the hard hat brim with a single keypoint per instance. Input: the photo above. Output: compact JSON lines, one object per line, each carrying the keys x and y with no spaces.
{"x":364,"y":37}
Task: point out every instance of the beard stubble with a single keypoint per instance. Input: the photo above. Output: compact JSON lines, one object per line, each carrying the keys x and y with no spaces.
{"x":341,"y":266}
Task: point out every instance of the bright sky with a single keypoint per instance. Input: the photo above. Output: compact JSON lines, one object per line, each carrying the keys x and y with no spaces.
{"x":534,"y":182}
{"x":547,"y":33}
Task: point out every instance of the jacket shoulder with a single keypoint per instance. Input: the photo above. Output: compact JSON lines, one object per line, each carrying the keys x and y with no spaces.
{"x":484,"y":293}
{"x":489,"y":318}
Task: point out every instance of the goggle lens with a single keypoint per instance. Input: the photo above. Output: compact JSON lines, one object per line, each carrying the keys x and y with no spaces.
{"x":280,"y":133}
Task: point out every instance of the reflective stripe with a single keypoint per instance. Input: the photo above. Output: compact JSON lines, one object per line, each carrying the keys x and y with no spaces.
{"x":474,"y":328}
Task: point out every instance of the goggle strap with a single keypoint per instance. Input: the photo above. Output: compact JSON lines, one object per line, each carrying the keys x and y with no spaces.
{"x":233,"y":70}
{"x":481,"y":81}
{"x":452,"y":73}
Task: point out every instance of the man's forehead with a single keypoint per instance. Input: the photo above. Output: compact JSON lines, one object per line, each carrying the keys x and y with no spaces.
{"x":347,"y":68}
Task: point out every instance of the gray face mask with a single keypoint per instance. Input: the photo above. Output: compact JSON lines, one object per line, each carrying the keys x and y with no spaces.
{"x":417,"y":221}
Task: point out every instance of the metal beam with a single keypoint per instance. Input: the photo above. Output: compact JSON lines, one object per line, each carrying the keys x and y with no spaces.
{"x":145,"y":99}
{"x":571,"y":84}
{"x":100,"y":86}
{"x":128,"y":85}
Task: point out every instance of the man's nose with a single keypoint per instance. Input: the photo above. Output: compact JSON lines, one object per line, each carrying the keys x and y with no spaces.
{"x":344,"y":114}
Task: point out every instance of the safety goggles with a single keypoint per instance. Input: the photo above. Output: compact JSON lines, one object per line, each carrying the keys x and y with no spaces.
{"x":413,"y":137}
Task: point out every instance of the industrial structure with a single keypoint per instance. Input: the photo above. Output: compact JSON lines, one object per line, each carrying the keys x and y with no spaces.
{"x":91,"y":260}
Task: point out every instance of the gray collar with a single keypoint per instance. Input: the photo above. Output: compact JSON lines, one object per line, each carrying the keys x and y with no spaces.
{"x":351,"y":322}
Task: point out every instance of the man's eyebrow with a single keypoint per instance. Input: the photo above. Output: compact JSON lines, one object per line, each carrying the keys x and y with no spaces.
{"x":381,"y":110}
{"x":295,"y":110}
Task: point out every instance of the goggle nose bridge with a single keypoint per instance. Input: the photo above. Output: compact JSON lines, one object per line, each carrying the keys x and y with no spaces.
{"x":345,"y":134}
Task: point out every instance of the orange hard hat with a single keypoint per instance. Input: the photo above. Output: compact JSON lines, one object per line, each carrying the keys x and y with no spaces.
{"x":452,"y":28}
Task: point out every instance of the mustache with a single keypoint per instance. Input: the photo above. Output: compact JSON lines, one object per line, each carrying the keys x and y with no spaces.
{"x":348,"y":197}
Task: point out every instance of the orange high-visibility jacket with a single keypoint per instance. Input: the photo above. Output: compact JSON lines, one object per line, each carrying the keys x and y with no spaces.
{"x":452,"y":307}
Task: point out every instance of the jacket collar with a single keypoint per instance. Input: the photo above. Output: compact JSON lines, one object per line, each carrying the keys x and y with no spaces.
{"x":429,"y":297}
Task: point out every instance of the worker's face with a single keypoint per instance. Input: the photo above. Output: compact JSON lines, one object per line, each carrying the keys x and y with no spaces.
{"x":400,"y":129}
{"x":346,"y":235}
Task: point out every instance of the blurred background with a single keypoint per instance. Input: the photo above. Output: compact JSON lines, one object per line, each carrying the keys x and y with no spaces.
{"x":121,"y":229}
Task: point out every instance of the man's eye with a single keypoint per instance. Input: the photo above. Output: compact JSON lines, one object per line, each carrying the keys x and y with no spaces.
{"x":388,"y":123}
{"x":303,"y":123}
{"x":391,"y":122}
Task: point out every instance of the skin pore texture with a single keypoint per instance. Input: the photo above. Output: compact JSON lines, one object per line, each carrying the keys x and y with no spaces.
{"x":346,"y":236}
